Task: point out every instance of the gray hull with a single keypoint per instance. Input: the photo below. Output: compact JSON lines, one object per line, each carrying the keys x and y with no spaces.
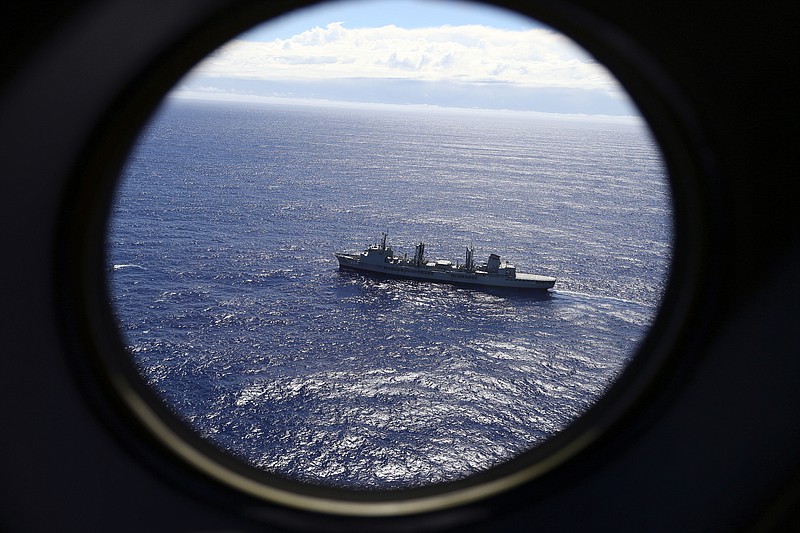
{"x":446,"y":274}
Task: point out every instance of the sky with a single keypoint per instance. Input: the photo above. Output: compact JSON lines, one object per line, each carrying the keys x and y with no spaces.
{"x":420,"y":52}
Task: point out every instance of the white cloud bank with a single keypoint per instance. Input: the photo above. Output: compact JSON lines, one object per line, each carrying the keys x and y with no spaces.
{"x":535,"y":58}
{"x":470,"y":66}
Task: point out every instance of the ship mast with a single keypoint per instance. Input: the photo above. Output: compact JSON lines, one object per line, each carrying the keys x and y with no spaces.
{"x":419,"y":254}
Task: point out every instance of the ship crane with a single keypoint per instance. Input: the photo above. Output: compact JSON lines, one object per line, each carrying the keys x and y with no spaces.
{"x":469,"y":262}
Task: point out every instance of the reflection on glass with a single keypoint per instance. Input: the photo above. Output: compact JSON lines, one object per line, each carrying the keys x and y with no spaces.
{"x":228,"y":295}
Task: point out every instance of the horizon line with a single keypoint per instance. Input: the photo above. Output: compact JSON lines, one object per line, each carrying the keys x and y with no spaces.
{"x":219,"y":96}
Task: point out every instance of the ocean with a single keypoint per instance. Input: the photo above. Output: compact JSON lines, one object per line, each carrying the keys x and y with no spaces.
{"x":229,"y":299}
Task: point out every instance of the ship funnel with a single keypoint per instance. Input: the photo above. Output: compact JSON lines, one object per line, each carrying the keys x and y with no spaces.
{"x":494,"y":263}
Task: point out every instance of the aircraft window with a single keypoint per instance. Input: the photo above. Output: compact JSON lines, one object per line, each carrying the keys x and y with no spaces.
{"x":315,"y":133}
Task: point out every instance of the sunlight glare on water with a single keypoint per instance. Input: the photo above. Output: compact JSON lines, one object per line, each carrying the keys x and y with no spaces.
{"x":229,"y":300}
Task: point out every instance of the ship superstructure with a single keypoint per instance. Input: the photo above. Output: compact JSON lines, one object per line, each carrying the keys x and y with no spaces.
{"x":380,"y":259}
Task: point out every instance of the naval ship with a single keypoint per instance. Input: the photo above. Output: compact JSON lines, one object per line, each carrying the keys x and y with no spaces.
{"x":380,"y":259}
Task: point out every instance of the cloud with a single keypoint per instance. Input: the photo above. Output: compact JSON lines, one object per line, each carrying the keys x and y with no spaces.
{"x":533,"y":58}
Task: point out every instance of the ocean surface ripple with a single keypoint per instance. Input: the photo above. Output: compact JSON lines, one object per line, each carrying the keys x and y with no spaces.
{"x":224,"y":284}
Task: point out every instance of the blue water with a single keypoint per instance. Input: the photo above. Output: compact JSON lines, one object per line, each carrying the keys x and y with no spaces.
{"x":228,"y":295}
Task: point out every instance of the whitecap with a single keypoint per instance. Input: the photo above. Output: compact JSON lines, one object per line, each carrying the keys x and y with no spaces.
{"x":120,"y":267}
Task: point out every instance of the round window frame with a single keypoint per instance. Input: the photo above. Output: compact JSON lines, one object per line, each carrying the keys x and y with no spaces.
{"x":157,"y":436}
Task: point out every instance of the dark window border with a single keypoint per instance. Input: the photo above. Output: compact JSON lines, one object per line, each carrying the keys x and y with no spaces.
{"x":153,"y":434}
